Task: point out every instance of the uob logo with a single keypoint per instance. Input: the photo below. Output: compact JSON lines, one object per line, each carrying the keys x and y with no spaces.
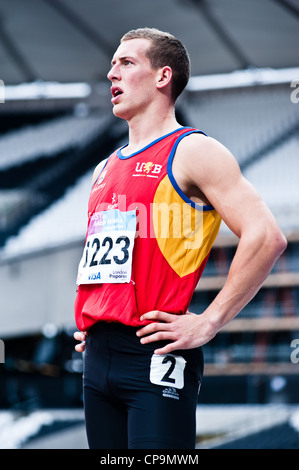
{"x":148,"y":169}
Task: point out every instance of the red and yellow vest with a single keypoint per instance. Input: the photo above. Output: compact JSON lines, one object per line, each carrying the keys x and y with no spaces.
{"x":170,"y":247}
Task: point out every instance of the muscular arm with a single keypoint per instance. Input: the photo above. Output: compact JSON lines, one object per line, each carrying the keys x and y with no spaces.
{"x":242,"y":209}
{"x":205,"y":164}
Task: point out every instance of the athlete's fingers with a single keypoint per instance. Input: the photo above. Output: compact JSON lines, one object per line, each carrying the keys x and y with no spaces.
{"x":158,"y":315}
{"x":80,"y":347}
{"x":160,"y":322}
{"x":80,"y":336}
{"x":170,"y":347}
{"x":158,"y":336}
{"x":153,"y":327}
{"x":174,"y":344}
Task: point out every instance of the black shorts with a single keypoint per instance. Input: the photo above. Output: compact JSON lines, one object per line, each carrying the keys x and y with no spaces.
{"x":134,"y":399}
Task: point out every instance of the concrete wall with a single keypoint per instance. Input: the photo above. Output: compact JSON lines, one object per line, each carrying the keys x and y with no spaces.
{"x":37,"y":289}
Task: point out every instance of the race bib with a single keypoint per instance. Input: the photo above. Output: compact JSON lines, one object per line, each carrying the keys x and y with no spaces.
{"x":107,"y":256}
{"x":168,"y":370}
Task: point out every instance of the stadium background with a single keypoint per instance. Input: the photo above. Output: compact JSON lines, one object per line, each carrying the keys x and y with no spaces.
{"x":56,"y":125}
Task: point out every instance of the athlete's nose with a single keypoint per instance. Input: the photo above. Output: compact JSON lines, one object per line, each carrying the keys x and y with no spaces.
{"x":113,"y":73}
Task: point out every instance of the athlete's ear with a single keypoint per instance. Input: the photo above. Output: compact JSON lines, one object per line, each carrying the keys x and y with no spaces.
{"x":164,"y":77}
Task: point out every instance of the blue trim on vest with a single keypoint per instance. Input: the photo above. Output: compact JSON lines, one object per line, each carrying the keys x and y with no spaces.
{"x":101,"y":171}
{"x":172,"y":179}
{"x":124,"y":157}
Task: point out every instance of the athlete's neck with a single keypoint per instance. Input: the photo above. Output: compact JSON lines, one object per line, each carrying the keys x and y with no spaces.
{"x":144,"y":130}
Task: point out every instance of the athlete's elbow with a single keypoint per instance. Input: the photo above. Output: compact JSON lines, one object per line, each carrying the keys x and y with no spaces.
{"x":267,"y":240}
{"x":274,"y":242}
{"x":280,"y":243}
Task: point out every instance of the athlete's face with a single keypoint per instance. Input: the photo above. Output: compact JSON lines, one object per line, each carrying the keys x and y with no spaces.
{"x":133,"y":79}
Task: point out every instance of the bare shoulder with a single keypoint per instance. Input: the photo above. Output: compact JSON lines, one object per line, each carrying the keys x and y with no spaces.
{"x":210,"y":166}
{"x":199,"y":146}
{"x":98,"y":170}
{"x":206,"y":160}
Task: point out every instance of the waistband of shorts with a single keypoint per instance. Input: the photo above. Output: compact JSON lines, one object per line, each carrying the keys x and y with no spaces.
{"x":118,"y":337}
{"x":103,"y":331}
{"x":106,"y":326}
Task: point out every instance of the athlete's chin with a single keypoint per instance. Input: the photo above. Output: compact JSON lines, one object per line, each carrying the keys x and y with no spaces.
{"x":121,"y":112}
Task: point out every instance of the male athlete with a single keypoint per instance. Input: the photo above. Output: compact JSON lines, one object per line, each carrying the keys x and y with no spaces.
{"x":153,"y":215}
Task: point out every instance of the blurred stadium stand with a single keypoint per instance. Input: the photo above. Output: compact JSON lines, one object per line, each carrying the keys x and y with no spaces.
{"x":38,"y":163}
{"x":54,"y":133}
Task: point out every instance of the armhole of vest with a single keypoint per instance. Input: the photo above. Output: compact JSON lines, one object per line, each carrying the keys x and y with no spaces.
{"x":172,"y":179}
{"x":100,"y":172}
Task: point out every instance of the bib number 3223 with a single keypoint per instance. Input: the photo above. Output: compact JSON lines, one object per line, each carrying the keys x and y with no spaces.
{"x":107,"y":256}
